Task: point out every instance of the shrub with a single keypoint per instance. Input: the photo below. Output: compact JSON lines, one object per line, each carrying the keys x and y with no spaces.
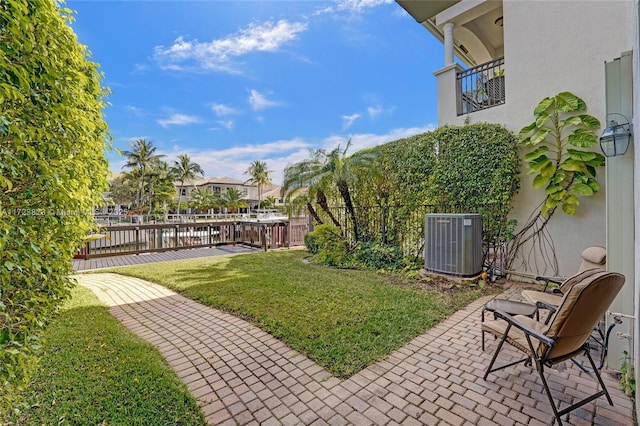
{"x":375,"y":255}
{"x":332,"y":247}
{"x":53,"y":172}
{"x":311,"y":242}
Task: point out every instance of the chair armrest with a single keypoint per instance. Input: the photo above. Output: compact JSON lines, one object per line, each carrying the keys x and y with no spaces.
{"x":547,"y":306}
{"x":547,"y":281}
{"x":528,"y":330}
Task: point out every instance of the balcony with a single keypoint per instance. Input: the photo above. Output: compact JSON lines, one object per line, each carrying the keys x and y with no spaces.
{"x":480,"y":87}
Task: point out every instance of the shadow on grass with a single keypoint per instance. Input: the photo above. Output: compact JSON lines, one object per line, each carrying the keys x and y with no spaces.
{"x":94,"y":371}
{"x":344,"y":320}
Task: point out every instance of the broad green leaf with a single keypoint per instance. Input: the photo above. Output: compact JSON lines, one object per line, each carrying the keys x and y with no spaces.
{"x":591,"y":170}
{"x":572,"y":166}
{"x":549,"y":205}
{"x":569,"y":209}
{"x":527,"y":129}
{"x":594,"y":185}
{"x":552,"y":189}
{"x":598,"y":161}
{"x":538,"y":163}
{"x":542,"y":118}
{"x":582,"y":138}
{"x":548,"y":170}
{"x":567,"y":102}
{"x":539,"y":136}
{"x":574,"y":154}
{"x":540,"y":182}
{"x":559,"y":176}
{"x":536,"y":152}
{"x":572,"y":199}
{"x":558,"y":196}
{"x":542,"y":106}
{"x":582,"y":189}
{"x":590,"y":121}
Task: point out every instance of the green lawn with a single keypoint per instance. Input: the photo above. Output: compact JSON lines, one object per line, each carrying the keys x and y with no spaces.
{"x":343,"y":319}
{"x":95,"y":372}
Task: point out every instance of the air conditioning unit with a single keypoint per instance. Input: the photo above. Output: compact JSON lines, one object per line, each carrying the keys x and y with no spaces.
{"x":453,"y":244}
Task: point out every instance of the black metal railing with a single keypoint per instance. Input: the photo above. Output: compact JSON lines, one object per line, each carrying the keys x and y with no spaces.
{"x":481,"y":87}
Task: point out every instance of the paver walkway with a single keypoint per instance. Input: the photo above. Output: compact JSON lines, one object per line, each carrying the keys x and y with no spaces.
{"x":137,"y":259}
{"x":242,"y":375}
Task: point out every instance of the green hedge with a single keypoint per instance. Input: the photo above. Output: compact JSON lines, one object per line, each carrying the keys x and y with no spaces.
{"x":52,"y":142}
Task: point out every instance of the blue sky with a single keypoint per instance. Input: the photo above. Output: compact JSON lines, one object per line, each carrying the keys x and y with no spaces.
{"x":230,"y":82}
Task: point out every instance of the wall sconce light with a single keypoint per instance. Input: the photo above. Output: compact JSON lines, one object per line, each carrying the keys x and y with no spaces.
{"x":615,"y":138}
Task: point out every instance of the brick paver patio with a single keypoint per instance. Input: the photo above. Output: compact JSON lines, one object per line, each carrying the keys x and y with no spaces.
{"x":240,"y":374}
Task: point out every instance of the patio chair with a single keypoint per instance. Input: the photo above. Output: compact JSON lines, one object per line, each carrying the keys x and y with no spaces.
{"x":594,"y":257}
{"x":564,"y":337}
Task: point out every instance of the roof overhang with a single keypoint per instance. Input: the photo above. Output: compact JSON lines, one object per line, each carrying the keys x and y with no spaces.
{"x":425,"y":11}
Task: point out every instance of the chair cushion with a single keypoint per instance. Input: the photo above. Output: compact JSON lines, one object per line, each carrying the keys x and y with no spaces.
{"x":516,"y":337}
{"x":570,"y":327}
{"x":533,"y":296}
{"x":593,"y":257}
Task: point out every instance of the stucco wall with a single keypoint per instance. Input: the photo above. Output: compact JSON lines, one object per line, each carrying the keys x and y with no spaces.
{"x":552,"y":47}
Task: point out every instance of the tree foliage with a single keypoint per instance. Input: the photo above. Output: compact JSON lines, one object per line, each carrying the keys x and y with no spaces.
{"x":184,"y":169}
{"x":259,"y":177}
{"x":559,"y":157}
{"x":477,"y":171}
{"x":52,"y":142}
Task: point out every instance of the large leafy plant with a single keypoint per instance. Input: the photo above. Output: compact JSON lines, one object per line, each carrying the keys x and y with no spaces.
{"x":560,"y":159}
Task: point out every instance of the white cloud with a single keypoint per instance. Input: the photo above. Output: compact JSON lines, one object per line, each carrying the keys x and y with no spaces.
{"x":226,"y":124}
{"x":217,"y":55}
{"x":374,"y":112}
{"x":178,"y":120}
{"x":234,"y":161}
{"x":222,"y":110}
{"x":360,"y":5}
{"x":351,"y":6}
{"x":348,"y":120}
{"x":259,"y":101}
{"x":134,"y":110}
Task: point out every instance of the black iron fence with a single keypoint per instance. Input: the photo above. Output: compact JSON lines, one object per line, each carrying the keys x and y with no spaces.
{"x":481,"y":87}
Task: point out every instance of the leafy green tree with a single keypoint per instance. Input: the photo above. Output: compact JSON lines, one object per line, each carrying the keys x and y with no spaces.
{"x":269,"y":202}
{"x":327,"y":169}
{"x":53,"y":172}
{"x":204,"y":199}
{"x":141,"y":157}
{"x":233,"y":199}
{"x":301,"y":185}
{"x":259,"y":176}
{"x":478,"y":171}
{"x":184,"y":169}
{"x":297,"y":200}
{"x":122,"y":190}
{"x":162,"y":191}
{"x":559,"y":156}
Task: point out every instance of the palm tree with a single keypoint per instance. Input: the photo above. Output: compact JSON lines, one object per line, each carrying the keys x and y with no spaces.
{"x":297,"y":200}
{"x":184,"y":170}
{"x":299,"y":177}
{"x":161,"y":187}
{"x":328,"y":170}
{"x":232,"y":199}
{"x":141,"y":157}
{"x":259,"y":176}
{"x":204,"y":199}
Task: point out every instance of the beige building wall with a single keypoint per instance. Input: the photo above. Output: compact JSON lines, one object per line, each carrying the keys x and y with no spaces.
{"x":549,"y":49}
